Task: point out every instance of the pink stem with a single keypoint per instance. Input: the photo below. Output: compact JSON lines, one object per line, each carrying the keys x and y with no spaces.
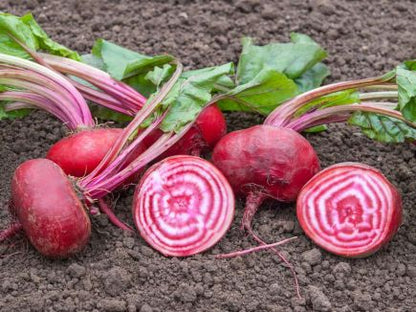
{"x":321,"y":116}
{"x":103,"y":99}
{"x":282,"y":114}
{"x":254,"y":249}
{"x":91,"y":94}
{"x":57,"y":96}
{"x":29,"y":100}
{"x":112,"y":217}
{"x":96,"y":77}
{"x":12,"y":230}
{"x":63,"y":83}
{"x":130,"y":130}
{"x":115,"y":166}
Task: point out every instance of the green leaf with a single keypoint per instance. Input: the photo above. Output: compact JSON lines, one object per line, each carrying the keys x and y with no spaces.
{"x":27,"y":31}
{"x":108,"y":114}
{"x":45,"y":43}
{"x":190,"y":94}
{"x":293,"y":59}
{"x":409,"y":64}
{"x":312,"y":78}
{"x":316,"y":129}
{"x":93,"y":60}
{"x":148,"y":83}
{"x":13,"y":114}
{"x":406,"y":81}
{"x":262,"y":94}
{"x":271,"y":74}
{"x":382,"y":128}
{"x":122,"y":63}
{"x":14,"y":26}
{"x":160,"y":74}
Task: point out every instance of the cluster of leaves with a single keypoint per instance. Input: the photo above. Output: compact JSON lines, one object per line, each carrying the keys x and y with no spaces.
{"x":264,"y":77}
{"x":388,"y":129}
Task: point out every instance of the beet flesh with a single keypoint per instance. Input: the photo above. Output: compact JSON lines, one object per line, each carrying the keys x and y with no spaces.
{"x":183,"y":205}
{"x":350,"y":209}
{"x":276,"y":162}
{"x":46,"y":205}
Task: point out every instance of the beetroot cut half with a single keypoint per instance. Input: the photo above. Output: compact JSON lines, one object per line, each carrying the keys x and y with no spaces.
{"x":350,"y":209}
{"x":183,"y":205}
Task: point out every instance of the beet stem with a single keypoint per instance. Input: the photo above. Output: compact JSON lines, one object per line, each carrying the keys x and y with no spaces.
{"x":321,"y":116}
{"x":282,"y":114}
{"x":254,"y":249}
{"x":12,"y":230}
{"x":112,"y":217}
{"x":119,"y":90}
{"x":51,"y":75}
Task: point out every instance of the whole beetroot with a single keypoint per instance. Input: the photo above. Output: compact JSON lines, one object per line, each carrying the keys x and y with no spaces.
{"x":265,"y":162}
{"x":48,"y":209}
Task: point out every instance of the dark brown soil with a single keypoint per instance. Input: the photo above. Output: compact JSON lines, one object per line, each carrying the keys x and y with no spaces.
{"x":119,"y":272}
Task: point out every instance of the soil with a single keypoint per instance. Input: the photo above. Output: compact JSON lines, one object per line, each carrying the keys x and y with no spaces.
{"x":120,"y":272}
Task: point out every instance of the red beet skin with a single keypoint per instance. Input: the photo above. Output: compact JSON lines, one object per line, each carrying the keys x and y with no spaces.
{"x":50,"y":212}
{"x":81,"y":152}
{"x":275,"y":162}
{"x":350,"y":209}
{"x":212,"y":125}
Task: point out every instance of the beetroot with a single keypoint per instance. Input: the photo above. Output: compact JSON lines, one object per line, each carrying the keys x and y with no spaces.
{"x":265,"y":162}
{"x":81,"y":152}
{"x":183,"y":205}
{"x":349,"y":209}
{"x":48,"y":209}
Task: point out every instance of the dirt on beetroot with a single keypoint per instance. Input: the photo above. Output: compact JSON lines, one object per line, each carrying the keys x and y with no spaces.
{"x":119,"y":271}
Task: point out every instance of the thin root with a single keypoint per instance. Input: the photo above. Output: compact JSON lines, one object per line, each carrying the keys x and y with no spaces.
{"x":254,"y":249}
{"x":281,"y":256}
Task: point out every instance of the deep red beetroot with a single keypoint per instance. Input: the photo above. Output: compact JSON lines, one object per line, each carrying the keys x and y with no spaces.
{"x":209,"y":128}
{"x":350,"y":209}
{"x":48,"y":209}
{"x":183,"y":205}
{"x":265,"y":161}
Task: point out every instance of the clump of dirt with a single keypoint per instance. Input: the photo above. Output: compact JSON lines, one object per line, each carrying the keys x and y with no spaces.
{"x":119,"y":271}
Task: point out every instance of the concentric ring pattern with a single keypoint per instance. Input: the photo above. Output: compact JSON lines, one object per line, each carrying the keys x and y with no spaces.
{"x":348,"y":210}
{"x":183,"y":205}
